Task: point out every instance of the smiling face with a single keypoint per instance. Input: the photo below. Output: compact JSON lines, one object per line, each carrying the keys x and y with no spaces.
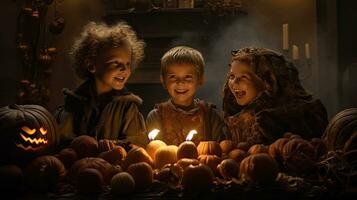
{"x":181,"y":82}
{"x":244,"y":83}
{"x":112,"y":69}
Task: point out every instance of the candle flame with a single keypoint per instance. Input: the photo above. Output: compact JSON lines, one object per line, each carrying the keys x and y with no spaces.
{"x":190,"y":135}
{"x":153,"y":134}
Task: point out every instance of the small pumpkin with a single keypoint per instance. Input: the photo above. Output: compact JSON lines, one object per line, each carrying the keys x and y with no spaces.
{"x":136,"y":155}
{"x":258,"y":148}
{"x":243,"y":146}
{"x":170,"y":173}
{"x":276,"y":149}
{"x":27,"y":131}
{"x":209,"y":148}
{"x":259,"y":168}
{"x":212,"y":161}
{"x":11,"y":179}
{"x":165,"y":155}
{"x":122,"y":184}
{"x":114,"y":156}
{"x":85,"y":146}
{"x":187,"y":149}
{"x":43,"y":173}
{"x":228,"y":169}
{"x":197,"y":179}
{"x":68,"y":156}
{"x":185,"y":162}
{"x":237,"y":154}
{"x":153,"y":146}
{"x":227,"y":146}
{"x":142,"y":174}
{"x":89,"y":181}
{"x":106,"y":169}
{"x":106,"y":145}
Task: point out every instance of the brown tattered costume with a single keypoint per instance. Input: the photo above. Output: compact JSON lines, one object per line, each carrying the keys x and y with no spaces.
{"x":114,"y":116}
{"x":284,"y":105}
{"x":175,"y":123}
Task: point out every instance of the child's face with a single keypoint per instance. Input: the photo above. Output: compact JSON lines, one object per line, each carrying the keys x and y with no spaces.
{"x":244,"y":83}
{"x":112,"y":69}
{"x":181,"y":82}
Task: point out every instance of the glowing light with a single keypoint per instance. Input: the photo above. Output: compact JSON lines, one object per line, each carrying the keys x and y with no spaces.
{"x":190,"y":135}
{"x":153,"y":134}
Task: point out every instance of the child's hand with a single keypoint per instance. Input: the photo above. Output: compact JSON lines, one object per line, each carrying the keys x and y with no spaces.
{"x":105,"y":145}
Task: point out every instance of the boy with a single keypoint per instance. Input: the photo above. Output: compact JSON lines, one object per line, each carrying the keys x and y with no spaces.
{"x":182,"y":70}
{"x":102,"y":107}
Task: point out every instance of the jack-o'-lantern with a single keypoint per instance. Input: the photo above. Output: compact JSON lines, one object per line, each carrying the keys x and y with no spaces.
{"x":165,"y":155}
{"x":197,"y":179}
{"x":209,"y":148}
{"x":187,"y":150}
{"x":142,"y":174}
{"x":26,"y":132}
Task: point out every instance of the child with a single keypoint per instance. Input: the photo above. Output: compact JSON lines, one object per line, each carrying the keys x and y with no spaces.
{"x":102,"y":107}
{"x":181,"y":75}
{"x":263,"y":99}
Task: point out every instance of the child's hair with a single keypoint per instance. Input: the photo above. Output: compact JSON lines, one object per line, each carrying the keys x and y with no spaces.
{"x":279,"y":76}
{"x":96,"y":37}
{"x":183,"y":55}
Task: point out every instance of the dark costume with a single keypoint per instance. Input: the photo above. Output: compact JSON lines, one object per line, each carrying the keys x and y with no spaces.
{"x":175,"y":123}
{"x":113,"y":116}
{"x":284,"y":105}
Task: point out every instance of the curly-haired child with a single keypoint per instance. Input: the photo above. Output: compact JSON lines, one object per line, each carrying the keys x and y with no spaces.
{"x":102,"y":107}
{"x":263,"y":99}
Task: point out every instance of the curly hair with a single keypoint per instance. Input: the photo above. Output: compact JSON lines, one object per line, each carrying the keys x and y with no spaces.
{"x":280,"y":77}
{"x":183,"y":54}
{"x":96,"y":37}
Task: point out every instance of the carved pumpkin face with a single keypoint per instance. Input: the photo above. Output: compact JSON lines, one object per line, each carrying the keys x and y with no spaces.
{"x":32,"y":139}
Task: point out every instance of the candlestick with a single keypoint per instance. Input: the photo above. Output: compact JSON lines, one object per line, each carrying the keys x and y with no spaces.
{"x":295,"y":52}
{"x":285,"y":36}
{"x":307,"y":51}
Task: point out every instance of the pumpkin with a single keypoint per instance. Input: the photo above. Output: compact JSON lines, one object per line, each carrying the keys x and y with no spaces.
{"x":27,"y":131}
{"x":170,"y":173}
{"x":197,"y":179}
{"x":89,"y":181}
{"x":85,"y":146}
{"x":122,"y":184}
{"x":114,"y":156}
{"x":212,"y":161}
{"x":142,"y":174}
{"x":228,"y":169}
{"x":105,"y":168}
{"x":237,"y":154}
{"x":226,"y":146}
{"x":67,"y":156}
{"x":187,"y":149}
{"x":136,"y":155}
{"x":319,"y":146}
{"x":276,"y":149}
{"x":299,"y":156}
{"x":153,"y":146}
{"x":106,"y":145}
{"x":258,"y":148}
{"x":258,"y":168}
{"x":165,"y":155}
{"x":351,"y":143}
{"x":209,"y":148}
{"x":340,"y":129}
{"x":185,"y":162}
{"x":243,"y":146}
{"x":11,"y":179}
{"x":43,"y":173}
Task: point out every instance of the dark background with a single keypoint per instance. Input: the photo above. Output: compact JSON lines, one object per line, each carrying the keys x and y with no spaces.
{"x":329,"y":26}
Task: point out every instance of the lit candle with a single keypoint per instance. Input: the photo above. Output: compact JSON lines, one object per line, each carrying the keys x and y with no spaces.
{"x":285,"y":36}
{"x":295,"y":52}
{"x":190,"y":135}
{"x":307,"y":51}
{"x":154,"y":145}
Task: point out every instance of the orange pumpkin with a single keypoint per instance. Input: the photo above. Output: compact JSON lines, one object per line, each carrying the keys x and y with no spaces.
{"x":237,"y":154}
{"x":122,"y":184}
{"x":114,"y":156}
{"x":228,"y":169}
{"x":209,"y":148}
{"x":185,"y":162}
{"x":197,"y":179}
{"x":85,"y":146}
{"x":258,"y":148}
{"x":153,"y":146}
{"x":212,"y":161}
{"x":243,"y":146}
{"x":226,"y":146}
{"x":187,"y":150}
{"x":165,"y":155}
{"x":106,"y":145}
{"x":259,"y":168}
{"x":142,"y":174}
{"x":89,"y":181}
{"x":136,"y":155}
{"x":276,"y":149}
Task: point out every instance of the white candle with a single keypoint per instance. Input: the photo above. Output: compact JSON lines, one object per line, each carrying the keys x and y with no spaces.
{"x":307,"y":51}
{"x":295,"y":52}
{"x":285,"y":36}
